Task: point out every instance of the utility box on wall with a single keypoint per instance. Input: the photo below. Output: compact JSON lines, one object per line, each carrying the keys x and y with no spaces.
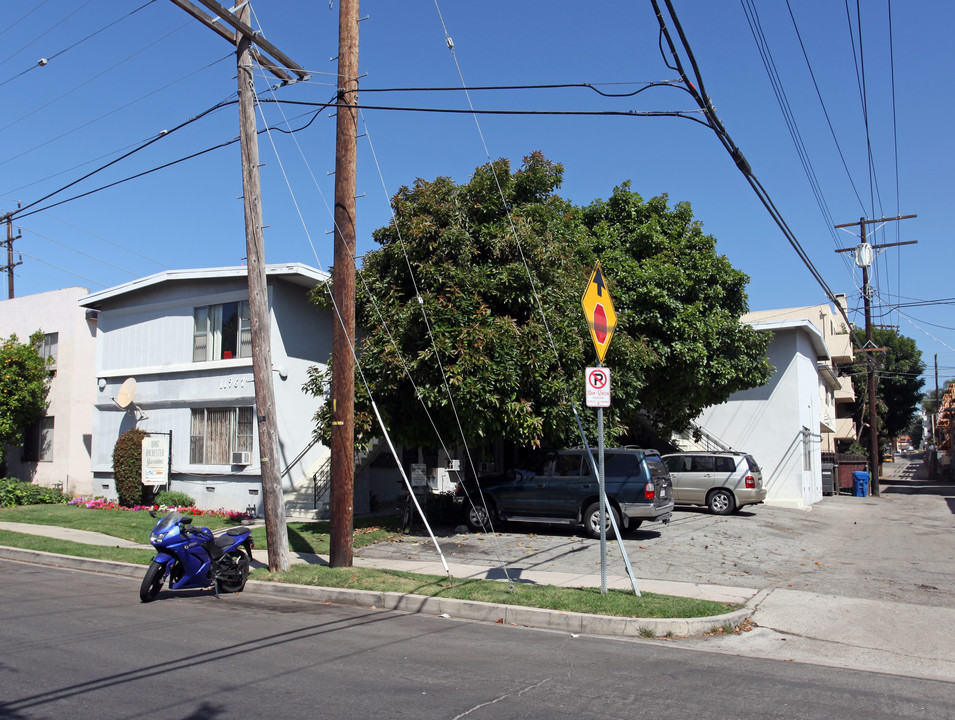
{"x":443,"y":480}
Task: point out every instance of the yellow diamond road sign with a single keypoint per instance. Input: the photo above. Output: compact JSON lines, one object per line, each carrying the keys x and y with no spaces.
{"x":598,"y":309}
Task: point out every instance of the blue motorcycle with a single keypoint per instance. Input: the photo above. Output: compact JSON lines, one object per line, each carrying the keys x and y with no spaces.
{"x":194,"y":557}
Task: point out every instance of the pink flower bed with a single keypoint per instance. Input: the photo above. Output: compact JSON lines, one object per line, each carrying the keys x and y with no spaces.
{"x":102,"y":504}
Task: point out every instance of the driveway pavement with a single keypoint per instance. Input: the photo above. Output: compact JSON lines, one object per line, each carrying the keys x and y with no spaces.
{"x":865,"y":583}
{"x":898,"y":547}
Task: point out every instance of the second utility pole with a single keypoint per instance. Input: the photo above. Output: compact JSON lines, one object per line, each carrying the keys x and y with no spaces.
{"x":864,"y":258}
{"x":343,"y":292}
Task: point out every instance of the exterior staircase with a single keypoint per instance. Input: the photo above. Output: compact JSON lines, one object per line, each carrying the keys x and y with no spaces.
{"x":310,"y":498}
{"x":687,"y":441}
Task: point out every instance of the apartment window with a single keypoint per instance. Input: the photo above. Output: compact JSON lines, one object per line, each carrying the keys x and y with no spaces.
{"x":38,"y":441}
{"x":48,"y":348}
{"x":219,"y":432}
{"x":221,"y":332}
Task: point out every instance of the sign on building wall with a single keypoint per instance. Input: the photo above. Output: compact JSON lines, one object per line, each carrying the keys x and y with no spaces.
{"x":155,"y":459}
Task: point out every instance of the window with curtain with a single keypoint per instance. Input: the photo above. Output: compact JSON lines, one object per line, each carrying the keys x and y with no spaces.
{"x":218,"y":432}
{"x":221,"y":332}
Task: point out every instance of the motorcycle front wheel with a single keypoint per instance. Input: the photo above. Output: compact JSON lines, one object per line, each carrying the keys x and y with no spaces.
{"x":236,"y":571}
{"x":152,"y":582}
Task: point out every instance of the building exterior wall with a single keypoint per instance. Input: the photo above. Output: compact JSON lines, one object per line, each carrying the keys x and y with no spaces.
{"x":71,"y":390}
{"x":146,"y":333}
{"x":778,"y":423}
{"x":834,"y":390}
{"x":826,"y":320}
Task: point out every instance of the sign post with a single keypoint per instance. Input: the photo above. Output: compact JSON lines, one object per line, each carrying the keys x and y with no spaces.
{"x":602,"y":320}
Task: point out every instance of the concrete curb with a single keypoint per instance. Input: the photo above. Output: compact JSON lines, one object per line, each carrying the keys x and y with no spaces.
{"x":571,"y":622}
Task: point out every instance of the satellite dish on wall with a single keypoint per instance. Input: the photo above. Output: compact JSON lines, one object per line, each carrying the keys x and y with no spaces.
{"x":127,"y":392}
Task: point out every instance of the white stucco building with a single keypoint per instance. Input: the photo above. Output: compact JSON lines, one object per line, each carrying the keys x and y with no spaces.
{"x":182,"y":338}
{"x":56,"y":451}
{"x":787,"y":423}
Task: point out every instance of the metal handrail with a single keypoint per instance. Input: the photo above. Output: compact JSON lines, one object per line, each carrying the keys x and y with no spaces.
{"x":321,"y":481}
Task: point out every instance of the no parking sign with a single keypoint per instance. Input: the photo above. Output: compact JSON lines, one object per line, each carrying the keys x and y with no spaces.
{"x":597,"y":383}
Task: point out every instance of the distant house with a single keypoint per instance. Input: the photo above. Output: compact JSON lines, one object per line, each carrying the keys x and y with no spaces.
{"x":56,"y":450}
{"x":174,"y":358}
{"x":787,"y":423}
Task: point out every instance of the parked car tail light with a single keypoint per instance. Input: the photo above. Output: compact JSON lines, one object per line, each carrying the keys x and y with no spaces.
{"x":648,"y":491}
{"x":750,"y":482}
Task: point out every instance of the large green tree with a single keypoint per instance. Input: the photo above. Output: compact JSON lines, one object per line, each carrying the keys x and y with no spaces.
{"x":24,"y":383}
{"x":898,"y":387}
{"x":470,"y":313}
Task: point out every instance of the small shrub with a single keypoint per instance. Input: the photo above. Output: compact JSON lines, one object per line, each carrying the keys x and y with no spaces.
{"x":174,"y":498}
{"x":16,"y":492}
{"x":128,"y":468}
{"x":646,"y":632}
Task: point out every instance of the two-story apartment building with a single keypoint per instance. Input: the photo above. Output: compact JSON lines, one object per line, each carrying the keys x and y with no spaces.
{"x":174,"y":358}
{"x":56,"y":450}
{"x":835,"y":390}
{"x":788,"y":423}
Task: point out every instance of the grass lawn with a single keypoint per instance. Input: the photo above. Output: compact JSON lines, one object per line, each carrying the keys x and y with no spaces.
{"x":312,"y":537}
{"x":135,"y":525}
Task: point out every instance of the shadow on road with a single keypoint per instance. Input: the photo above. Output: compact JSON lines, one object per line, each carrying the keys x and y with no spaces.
{"x":913,"y":479}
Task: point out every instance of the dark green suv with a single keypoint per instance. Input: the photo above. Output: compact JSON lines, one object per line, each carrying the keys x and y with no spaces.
{"x":560,"y":487}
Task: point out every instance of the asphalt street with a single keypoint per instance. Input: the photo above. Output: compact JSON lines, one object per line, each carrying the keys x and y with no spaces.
{"x":81,"y":646}
{"x":851,"y":583}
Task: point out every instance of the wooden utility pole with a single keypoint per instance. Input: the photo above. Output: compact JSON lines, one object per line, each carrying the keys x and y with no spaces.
{"x":933,"y":465}
{"x":277,"y":532}
{"x":244,"y":38}
{"x":864,"y":257}
{"x":10,"y":264}
{"x":343,"y":291}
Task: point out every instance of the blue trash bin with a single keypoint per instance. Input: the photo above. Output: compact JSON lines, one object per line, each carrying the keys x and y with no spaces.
{"x":860,"y":484}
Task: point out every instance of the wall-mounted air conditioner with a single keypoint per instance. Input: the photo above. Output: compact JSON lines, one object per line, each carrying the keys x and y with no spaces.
{"x":241,"y":458}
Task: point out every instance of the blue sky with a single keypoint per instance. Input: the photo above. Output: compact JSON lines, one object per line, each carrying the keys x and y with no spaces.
{"x":117,"y":76}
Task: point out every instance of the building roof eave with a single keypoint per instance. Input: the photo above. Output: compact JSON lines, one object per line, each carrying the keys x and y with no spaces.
{"x":298,"y":273}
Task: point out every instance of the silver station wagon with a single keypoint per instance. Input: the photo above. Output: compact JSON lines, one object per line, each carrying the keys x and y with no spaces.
{"x":723,"y":481}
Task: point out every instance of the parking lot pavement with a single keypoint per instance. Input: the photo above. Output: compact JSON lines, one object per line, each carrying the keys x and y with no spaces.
{"x":898,"y":547}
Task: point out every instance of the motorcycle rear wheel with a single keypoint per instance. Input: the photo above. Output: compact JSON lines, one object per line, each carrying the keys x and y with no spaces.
{"x":232,"y":580}
{"x":152,"y":582}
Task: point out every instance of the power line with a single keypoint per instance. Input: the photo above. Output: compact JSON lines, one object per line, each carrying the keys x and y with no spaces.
{"x":140,"y":147}
{"x":80,"y":252}
{"x":698,"y":92}
{"x":56,"y":24}
{"x":45,"y":61}
{"x":822,"y":104}
{"x":112,"y":112}
{"x":91,"y":79}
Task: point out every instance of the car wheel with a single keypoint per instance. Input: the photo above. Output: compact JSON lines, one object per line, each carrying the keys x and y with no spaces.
{"x":479,"y":517}
{"x":635,"y":524}
{"x":721,"y":502}
{"x":592,"y":519}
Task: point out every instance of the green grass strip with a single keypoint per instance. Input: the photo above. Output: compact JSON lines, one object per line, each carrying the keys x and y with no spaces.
{"x":618,"y":603}
{"x":585,"y":600}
